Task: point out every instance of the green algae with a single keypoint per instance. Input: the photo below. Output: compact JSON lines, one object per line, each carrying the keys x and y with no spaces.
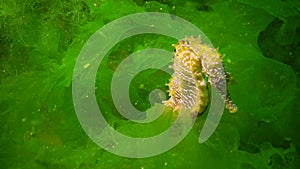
{"x":40,"y":41}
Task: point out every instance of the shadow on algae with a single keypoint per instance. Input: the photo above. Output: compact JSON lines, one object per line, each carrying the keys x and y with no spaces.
{"x":41,"y":39}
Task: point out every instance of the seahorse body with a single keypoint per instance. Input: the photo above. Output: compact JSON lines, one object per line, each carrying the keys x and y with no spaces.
{"x":187,"y":88}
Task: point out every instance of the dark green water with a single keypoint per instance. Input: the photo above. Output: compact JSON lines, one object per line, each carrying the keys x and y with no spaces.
{"x":40,"y":41}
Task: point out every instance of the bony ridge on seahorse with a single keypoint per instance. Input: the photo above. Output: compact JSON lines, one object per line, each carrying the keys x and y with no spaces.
{"x":193,"y":61}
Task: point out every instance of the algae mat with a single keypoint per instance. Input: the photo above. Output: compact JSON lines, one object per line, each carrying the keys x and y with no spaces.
{"x":41,"y":40}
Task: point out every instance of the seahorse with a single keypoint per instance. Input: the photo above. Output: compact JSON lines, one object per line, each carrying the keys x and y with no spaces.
{"x":194,"y":62}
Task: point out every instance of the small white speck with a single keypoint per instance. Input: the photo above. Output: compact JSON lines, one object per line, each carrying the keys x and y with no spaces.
{"x":86,"y":65}
{"x":166,"y":163}
{"x":160,"y":9}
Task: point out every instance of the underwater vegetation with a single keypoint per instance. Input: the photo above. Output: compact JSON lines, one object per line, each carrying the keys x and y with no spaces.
{"x":40,"y":41}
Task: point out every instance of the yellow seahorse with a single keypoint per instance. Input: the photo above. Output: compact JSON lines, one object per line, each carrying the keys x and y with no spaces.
{"x":193,"y":60}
